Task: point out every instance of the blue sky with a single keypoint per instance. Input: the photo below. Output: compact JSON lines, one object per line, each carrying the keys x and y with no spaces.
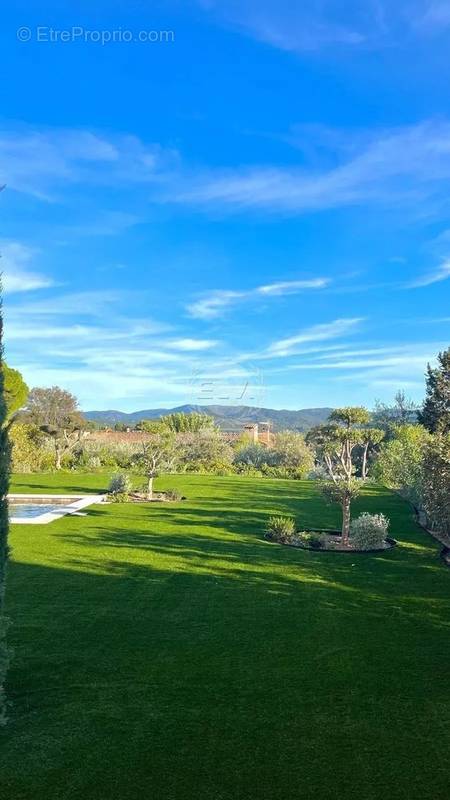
{"x":252,"y":208}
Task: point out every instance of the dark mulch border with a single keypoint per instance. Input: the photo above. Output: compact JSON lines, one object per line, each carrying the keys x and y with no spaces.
{"x":392,"y":543}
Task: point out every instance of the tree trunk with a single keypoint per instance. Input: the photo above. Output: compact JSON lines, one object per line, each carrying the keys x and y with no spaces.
{"x":150,"y":488}
{"x":345,"y":520}
{"x":364,"y":463}
{"x":57,"y":457}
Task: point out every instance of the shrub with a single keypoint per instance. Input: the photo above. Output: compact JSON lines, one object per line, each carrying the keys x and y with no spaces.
{"x":368,"y":531}
{"x":118,"y":497}
{"x":280,"y":529}
{"x":173,"y":494}
{"x":119,"y":484}
{"x":311,"y":539}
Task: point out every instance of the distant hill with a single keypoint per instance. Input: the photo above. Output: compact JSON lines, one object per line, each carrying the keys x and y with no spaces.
{"x":229,"y":418}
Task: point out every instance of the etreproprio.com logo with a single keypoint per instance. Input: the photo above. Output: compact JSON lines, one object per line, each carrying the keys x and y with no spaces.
{"x":77,"y":33}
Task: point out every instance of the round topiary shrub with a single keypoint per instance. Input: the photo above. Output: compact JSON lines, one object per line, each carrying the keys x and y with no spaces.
{"x":368,"y":531}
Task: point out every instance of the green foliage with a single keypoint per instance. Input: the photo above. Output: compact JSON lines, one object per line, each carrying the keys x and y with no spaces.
{"x":311,"y":539}
{"x":118,"y":497}
{"x":368,"y":531}
{"x":148,"y":426}
{"x":400,"y":462}
{"x":5,"y":465}
{"x":16,"y":390}
{"x":158,"y":455}
{"x":254,"y":456}
{"x":28,"y":453}
{"x":55,"y":412}
{"x":204,"y":451}
{"x":436,"y":483}
{"x":403,"y":412}
{"x":435,"y":415}
{"x":291,"y":453}
{"x":187,"y":423}
{"x":120,"y":484}
{"x":350,"y":415}
{"x":280,"y":529}
{"x":173,"y":494}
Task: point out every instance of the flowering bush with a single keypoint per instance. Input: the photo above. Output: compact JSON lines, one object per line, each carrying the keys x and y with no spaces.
{"x":368,"y":531}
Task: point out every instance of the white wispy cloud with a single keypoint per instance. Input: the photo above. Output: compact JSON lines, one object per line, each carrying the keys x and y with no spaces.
{"x":214,"y":303}
{"x":192,"y":345}
{"x":316,"y":26}
{"x":441,"y":273}
{"x":316,"y":333}
{"x":15,"y":259}
{"x":46,"y":162}
{"x":396,"y":167}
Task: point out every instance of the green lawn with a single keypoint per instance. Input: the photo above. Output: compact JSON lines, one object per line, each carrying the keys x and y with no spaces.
{"x":170,"y":653}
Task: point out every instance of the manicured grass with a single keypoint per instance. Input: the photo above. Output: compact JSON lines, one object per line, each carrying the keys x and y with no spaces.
{"x":168,"y":652}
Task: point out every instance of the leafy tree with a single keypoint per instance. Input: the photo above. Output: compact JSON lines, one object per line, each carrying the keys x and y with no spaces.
{"x":5,"y":460}
{"x":158,"y":455}
{"x":16,"y":390}
{"x":336,"y":443}
{"x":290,"y":450}
{"x":27,"y":452}
{"x":435,"y":415}
{"x":403,"y":412}
{"x":55,"y":411}
{"x":370,"y":439}
{"x":255,"y":455}
{"x":178,"y":422}
{"x":206,"y":451}
{"x":400,"y":462}
{"x":436,"y":482}
{"x":148,"y":426}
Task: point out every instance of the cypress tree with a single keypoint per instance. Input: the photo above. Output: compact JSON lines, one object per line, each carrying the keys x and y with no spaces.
{"x":5,"y":459}
{"x":435,"y":414}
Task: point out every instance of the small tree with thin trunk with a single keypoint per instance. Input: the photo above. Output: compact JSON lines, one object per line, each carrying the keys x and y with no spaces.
{"x":336,"y":443}
{"x":55,"y":411}
{"x":5,"y":459}
{"x":158,"y":455}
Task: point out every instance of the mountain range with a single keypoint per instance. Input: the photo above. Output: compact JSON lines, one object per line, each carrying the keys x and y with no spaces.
{"x":230,"y":418}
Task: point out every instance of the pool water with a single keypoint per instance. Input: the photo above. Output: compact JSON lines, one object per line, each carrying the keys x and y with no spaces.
{"x":29,"y":510}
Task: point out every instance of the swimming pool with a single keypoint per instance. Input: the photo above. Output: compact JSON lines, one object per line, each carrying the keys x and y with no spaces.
{"x":41,"y":509}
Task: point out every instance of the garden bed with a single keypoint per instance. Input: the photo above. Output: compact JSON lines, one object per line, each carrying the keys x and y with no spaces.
{"x":330,"y":542}
{"x":142,"y":497}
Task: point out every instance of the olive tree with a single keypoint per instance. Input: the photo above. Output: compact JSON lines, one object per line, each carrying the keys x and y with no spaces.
{"x":336,"y":444}
{"x":158,"y":454}
{"x":55,"y":412}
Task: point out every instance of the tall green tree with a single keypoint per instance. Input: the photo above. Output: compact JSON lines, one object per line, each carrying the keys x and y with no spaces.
{"x":5,"y":460}
{"x":435,"y":414}
{"x":16,"y":390}
{"x":55,"y":411}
